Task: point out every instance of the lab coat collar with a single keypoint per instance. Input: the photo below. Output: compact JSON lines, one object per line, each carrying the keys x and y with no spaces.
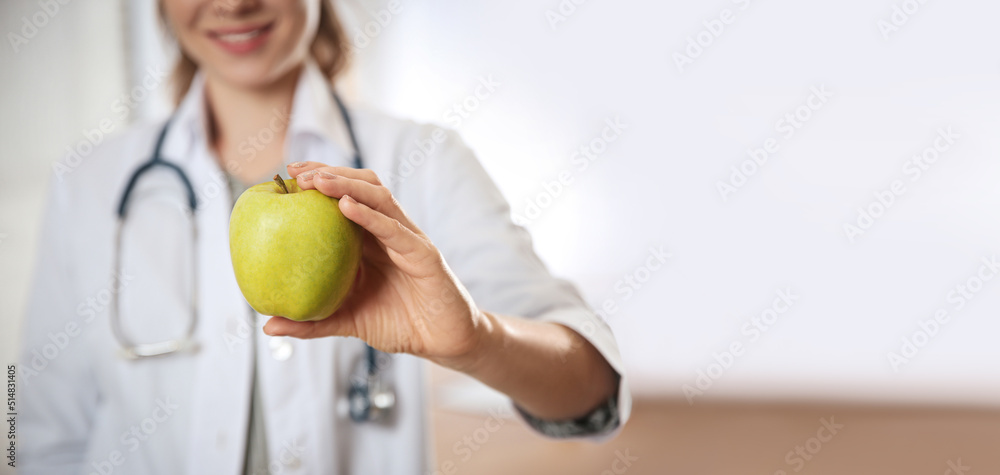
{"x":314,"y":113}
{"x":189,"y":125}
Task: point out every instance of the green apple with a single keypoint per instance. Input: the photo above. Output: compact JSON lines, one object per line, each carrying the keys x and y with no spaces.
{"x":294,"y":253}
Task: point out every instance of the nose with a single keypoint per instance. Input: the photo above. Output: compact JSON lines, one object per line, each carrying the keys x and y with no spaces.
{"x":234,"y":8}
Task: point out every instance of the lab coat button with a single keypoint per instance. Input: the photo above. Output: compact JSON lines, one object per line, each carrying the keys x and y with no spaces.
{"x":281,"y":348}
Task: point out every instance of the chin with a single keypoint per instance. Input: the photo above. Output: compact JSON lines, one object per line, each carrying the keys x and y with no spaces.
{"x":253,"y":73}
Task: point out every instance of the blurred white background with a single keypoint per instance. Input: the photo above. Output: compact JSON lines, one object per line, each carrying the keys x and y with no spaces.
{"x":560,"y":77}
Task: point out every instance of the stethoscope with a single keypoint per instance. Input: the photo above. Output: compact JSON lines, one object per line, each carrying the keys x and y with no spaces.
{"x":368,"y":398}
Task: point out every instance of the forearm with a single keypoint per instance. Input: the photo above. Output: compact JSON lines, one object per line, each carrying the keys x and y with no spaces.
{"x":548,"y":370}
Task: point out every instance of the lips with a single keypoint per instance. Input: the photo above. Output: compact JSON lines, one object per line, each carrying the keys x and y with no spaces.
{"x":237,"y":37}
{"x":243,"y":39}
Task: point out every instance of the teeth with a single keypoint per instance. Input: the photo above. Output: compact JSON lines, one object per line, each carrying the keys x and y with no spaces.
{"x":238,"y":37}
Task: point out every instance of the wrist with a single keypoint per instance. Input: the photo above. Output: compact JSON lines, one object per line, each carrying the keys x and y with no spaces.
{"x":487,"y":336}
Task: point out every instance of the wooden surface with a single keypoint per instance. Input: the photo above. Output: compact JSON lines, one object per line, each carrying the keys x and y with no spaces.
{"x":671,"y":437}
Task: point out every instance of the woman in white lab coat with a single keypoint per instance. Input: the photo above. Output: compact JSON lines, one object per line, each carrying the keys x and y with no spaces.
{"x":446,"y":277}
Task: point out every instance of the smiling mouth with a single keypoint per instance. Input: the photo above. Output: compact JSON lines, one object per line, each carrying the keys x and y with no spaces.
{"x":240,"y":35}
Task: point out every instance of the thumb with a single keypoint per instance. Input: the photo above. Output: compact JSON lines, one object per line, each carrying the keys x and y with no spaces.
{"x":334,"y":325}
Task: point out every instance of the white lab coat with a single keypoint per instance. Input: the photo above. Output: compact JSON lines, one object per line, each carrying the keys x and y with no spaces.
{"x":85,"y":410}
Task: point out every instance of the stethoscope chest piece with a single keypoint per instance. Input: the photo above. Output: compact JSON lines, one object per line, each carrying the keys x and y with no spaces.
{"x":370,"y":399}
{"x":370,"y":403}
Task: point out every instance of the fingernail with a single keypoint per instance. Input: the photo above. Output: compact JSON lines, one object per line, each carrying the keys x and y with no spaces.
{"x":307,"y":175}
{"x":297,"y":164}
{"x":327,"y":175}
{"x":348,"y":199}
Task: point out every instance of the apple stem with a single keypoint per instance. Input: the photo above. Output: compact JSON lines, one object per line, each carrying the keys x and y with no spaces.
{"x":281,"y":184}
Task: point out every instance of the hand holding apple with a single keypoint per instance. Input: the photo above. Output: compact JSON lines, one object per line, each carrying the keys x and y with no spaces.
{"x":406,"y":298}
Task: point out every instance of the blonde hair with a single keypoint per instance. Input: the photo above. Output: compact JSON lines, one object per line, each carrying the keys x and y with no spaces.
{"x":330,"y":49}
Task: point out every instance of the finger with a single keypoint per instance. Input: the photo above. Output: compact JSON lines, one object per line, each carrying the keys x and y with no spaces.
{"x":298,"y":168}
{"x":281,"y":326}
{"x":331,"y":326}
{"x":394,"y":235}
{"x":370,"y":244}
{"x":376,"y":197}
